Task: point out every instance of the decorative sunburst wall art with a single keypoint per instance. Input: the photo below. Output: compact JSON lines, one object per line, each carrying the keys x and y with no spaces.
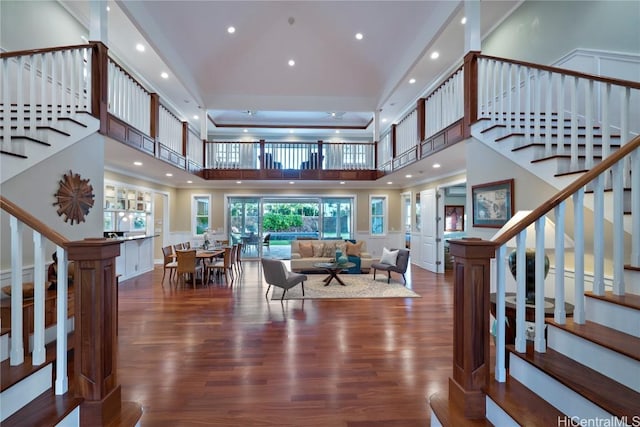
{"x":75,"y":197}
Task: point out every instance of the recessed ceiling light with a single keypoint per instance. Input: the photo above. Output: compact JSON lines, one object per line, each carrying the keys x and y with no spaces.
{"x":290,"y":130}
{"x":337,"y":130}
{"x":168,"y":174}
{"x":291,"y":182}
{"x":342,"y":182}
{"x":164,"y":75}
{"x":292,"y":63}
{"x":412,"y":81}
{"x":108,"y":9}
{"x":384,"y":120}
{"x":231,"y":29}
{"x":189,"y":182}
{"x":359,"y":36}
{"x":140,"y":47}
{"x":463,"y":20}
{"x":408,"y":176}
{"x":435,"y":55}
{"x":196,"y":117}
{"x":238,"y":182}
{"x":137,"y":163}
{"x":436,"y":165}
{"x":389,"y":182}
{"x":246,"y":130}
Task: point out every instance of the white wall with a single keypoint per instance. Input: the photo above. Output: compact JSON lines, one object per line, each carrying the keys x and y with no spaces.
{"x":34,"y":190}
{"x":544,"y":31}
{"x":36,"y":25}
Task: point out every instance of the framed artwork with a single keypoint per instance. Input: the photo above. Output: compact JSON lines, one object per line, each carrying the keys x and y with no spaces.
{"x":492,"y":203}
{"x":453,"y":218}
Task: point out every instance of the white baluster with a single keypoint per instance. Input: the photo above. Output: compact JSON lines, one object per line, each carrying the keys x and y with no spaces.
{"x":73,"y":81}
{"x":560,"y":101}
{"x":17,"y":344}
{"x":38,"y":352}
{"x":598,"y":235}
{"x":574,"y":124}
{"x":63,"y":83}
{"x":6,"y":102}
{"x":33,"y":93}
{"x":500,"y":373}
{"x":521,"y":292}
{"x":20,"y":107}
{"x":635,"y":208}
{"x":589,"y":123}
{"x":54,"y":89}
{"x":548,"y":123}
{"x":559,"y":313}
{"x":618,"y":229}
{"x":606,"y":128}
{"x":540,"y":344}
{"x":578,"y":241}
{"x":625,"y":135}
{"x":62,"y":383}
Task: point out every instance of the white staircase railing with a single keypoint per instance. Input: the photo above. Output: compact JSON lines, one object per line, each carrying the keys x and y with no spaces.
{"x":41,"y":233}
{"x":128,"y":100}
{"x":43,"y":84}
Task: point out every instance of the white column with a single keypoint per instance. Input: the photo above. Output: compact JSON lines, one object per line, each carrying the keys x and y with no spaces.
{"x":38,"y":355}
{"x":17,"y":346}
{"x":472,"y":35}
{"x":98,"y":22}
{"x":62,"y":382}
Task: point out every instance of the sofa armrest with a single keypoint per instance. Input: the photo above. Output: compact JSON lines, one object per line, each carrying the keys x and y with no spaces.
{"x":295,"y":255}
{"x":365,"y":255}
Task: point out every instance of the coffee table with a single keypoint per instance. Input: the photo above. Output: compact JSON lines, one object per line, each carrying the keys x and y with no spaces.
{"x":333,"y":269}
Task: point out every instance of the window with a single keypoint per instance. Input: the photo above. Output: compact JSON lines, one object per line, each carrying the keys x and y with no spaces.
{"x":378,"y":215}
{"x":200,"y":214}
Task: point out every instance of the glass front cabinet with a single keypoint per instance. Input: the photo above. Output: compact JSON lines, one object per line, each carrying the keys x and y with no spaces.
{"x":127,"y":210}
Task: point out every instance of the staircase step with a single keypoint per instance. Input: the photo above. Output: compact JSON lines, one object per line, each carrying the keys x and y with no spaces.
{"x":28,"y":138}
{"x":521,"y":404}
{"x":603,"y":392}
{"x":604,"y":336}
{"x":543,"y":135}
{"x":39,"y":127}
{"x":621,"y":312}
{"x":444,"y":413}
{"x":48,"y":409}
{"x":8,"y":153}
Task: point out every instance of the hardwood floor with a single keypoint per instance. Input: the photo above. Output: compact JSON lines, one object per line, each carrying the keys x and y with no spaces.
{"x":226,"y":356}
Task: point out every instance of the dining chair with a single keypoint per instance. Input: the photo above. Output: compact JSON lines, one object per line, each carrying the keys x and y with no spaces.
{"x":239,"y":256}
{"x":177,"y":247}
{"x":186,"y":245}
{"x":188,"y":265}
{"x":169,"y":262}
{"x":221,"y":266}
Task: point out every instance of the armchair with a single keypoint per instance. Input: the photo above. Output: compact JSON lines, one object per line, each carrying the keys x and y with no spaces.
{"x":276,"y":274}
{"x":402,"y":262}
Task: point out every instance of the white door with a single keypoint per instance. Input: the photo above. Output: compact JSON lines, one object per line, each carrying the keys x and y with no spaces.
{"x":429,"y":217}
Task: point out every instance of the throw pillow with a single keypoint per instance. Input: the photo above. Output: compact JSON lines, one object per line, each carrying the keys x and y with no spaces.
{"x":341,"y":246}
{"x":354,"y":248}
{"x":318,"y":250}
{"x":306,"y":250}
{"x":329,"y":251}
{"x":389,"y":257}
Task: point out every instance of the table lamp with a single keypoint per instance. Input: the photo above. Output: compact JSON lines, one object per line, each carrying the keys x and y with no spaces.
{"x":530,"y":254}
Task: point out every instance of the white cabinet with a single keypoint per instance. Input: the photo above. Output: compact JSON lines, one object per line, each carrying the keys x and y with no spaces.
{"x":136,"y":257}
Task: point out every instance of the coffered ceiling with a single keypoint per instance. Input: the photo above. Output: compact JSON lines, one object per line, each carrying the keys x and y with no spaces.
{"x":243,"y":81}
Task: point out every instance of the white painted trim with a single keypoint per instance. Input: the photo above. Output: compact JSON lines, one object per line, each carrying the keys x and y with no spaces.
{"x":20,"y":394}
{"x":497,"y":416}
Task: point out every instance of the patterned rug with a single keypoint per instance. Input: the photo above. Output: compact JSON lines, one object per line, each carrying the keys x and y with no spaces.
{"x":358,"y":286}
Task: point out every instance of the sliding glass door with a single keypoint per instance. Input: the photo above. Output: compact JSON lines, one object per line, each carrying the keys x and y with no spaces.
{"x":267,"y":225}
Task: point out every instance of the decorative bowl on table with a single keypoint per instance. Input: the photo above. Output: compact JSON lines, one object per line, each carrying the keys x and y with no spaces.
{"x":342,"y":260}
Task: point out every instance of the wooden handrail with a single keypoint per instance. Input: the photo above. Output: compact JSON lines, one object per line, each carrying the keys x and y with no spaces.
{"x":609,"y":80}
{"x":568,"y":191}
{"x":33,"y":222}
{"x":43,"y":50}
{"x":444,"y":82}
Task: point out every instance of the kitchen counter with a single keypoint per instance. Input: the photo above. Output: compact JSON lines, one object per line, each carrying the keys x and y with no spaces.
{"x":136,"y":255}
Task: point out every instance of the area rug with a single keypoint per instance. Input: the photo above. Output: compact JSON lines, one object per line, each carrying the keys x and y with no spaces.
{"x":358,"y":286}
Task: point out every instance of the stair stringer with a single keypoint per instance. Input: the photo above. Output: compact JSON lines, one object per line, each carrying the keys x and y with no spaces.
{"x":11,"y":166}
{"x":545,"y":170}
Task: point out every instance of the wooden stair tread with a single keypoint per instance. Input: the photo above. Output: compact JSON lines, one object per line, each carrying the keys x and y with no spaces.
{"x":599,"y":334}
{"x":48,"y":409}
{"x":522,"y":404}
{"x":10,"y":375}
{"x":626,"y":300}
{"x":130,"y":414}
{"x":450,"y":415}
{"x":601,"y":390}
{"x":554,"y":144}
{"x":28,"y":138}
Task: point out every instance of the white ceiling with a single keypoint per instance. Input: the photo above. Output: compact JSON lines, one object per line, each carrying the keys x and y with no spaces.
{"x":224,"y":76}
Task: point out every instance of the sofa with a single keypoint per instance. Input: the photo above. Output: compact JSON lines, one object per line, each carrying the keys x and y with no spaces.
{"x":306,"y":253}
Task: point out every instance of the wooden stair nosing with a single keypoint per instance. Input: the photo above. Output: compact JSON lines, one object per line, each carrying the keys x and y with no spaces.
{"x":564,"y":156}
{"x":553,"y":144}
{"x":28,"y":138}
{"x":627,"y":300}
{"x":522,"y":404}
{"x":450,"y":415}
{"x":46,"y":409}
{"x":632,"y":268}
{"x":9,"y":153}
{"x":40,"y":127}
{"x":543,"y":135}
{"x":11,"y":375}
{"x":604,"y":336}
{"x":60,"y":119}
{"x":601,"y":390}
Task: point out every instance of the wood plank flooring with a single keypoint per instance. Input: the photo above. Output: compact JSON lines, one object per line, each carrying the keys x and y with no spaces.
{"x":226,"y":356}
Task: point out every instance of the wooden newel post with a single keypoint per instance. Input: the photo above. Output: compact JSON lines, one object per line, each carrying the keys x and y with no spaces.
{"x":95,"y":350}
{"x":470,"y":324}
